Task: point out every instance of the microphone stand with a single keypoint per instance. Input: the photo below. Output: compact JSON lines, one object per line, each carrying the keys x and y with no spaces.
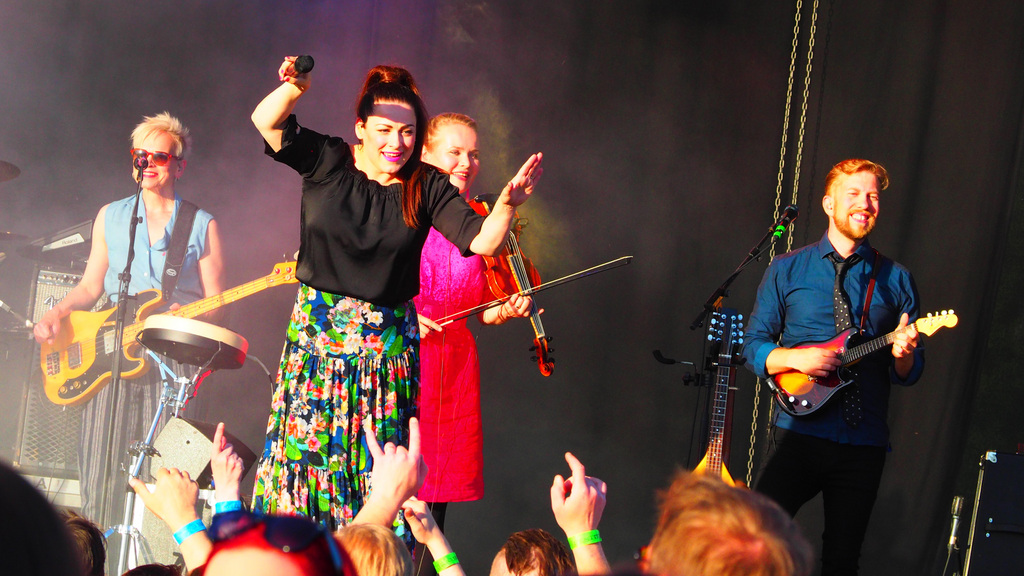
{"x":111,"y":471}
{"x":715,"y":300}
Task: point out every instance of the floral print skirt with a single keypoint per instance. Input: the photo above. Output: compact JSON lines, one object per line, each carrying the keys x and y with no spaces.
{"x":345,"y":361}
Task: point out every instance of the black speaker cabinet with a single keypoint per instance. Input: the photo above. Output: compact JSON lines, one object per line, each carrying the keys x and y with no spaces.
{"x":48,"y":437}
{"x":996,"y":545}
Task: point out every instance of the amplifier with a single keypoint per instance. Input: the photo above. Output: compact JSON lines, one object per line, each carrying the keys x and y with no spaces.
{"x":48,"y":437}
{"x":996,"y":546}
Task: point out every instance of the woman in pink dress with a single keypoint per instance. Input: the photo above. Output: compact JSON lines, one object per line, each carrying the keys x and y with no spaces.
{"x":449,"y":405}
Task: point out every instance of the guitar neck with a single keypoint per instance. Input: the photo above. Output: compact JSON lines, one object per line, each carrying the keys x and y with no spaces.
{"x":862,"y":350}
{"x":208,"y":304}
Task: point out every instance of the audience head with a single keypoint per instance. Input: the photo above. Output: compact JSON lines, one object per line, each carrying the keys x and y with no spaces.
{"x":33,"y":538}
{"x":375,"y":550}
{"x":258,"y":545}
{"x":535,"y":552}
{"x":709,"y":528}
{"x":89,"y":541}
{"x":154,"y":570}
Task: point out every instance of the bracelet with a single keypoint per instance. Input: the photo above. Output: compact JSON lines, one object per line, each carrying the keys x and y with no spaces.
{"x":446,"y":561}
{"x":193,"y":527}
{"x":227,"y":506}
{"x":584,"y":538}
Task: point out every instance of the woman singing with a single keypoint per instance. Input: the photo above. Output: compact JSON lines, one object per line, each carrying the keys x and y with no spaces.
{"x":352,"y":347}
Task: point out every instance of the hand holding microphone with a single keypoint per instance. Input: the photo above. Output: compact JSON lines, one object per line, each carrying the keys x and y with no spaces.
{"x":295,"y":70}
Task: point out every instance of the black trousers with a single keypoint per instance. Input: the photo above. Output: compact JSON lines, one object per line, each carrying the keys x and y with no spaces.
{"x":798,"y":467}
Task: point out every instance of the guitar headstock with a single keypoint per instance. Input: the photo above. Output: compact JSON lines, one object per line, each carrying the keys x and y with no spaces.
{"x":284,"y":273}
{"x":929,"y":324}
{"x":726,"y":329}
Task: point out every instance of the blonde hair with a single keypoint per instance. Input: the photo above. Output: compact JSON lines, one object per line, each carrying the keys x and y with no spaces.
{"x":166,"y":124}
{"x":442,"y":120}
{"x":375,"y":550}
{"x":709,"y":528}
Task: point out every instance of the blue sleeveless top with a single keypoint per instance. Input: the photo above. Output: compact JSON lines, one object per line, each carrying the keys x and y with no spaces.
{"x":148,"y":264}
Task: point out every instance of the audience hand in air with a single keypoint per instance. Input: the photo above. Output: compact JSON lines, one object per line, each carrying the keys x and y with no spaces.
{"x":226,"y":466}
{"x":173,"y":499}
{"x":577,"y":501}
{"x":398,"y":474}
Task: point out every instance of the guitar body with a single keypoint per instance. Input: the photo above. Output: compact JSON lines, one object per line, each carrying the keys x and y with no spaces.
{"x":711,"y":464}
{"x":78,"y":364}
{"x":800,"y":394}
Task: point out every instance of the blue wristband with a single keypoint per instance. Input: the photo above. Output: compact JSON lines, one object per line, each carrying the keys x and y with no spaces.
{"x":227,"y":506}
{"x":193,"y":527}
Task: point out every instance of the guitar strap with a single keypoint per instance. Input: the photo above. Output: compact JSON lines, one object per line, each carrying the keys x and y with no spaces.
{"x":176,"y":250}
{"x":871,"y":290}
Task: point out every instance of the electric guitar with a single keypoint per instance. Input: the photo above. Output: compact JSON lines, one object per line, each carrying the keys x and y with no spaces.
{"x":78,"y":364}
{"x":800,"y":394}
{"x":727,"y":331}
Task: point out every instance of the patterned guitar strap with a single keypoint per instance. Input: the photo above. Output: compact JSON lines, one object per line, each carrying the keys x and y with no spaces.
{"x":853,"y":412}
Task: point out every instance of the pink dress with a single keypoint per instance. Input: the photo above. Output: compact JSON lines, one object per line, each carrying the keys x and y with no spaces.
{"x":450,"y":428}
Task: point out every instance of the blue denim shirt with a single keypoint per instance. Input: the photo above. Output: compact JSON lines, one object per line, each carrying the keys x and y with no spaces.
{"x":794,"y":306}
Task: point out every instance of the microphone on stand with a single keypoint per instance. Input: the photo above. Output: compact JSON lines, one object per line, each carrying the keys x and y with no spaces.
{"x":788,"y":215}
{"x":22,"y":319}
{"x":958,"y":504}
{"x":141,"y":163}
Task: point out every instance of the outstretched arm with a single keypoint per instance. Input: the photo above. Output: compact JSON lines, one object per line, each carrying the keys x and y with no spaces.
{"x":578,"y":502}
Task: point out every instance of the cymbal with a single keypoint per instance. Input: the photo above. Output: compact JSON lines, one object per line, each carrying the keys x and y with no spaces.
{"x":8,"y":171}
{"x":11,"y":237}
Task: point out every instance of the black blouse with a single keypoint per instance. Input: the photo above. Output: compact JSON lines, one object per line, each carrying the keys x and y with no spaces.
{"x":353,"y":239}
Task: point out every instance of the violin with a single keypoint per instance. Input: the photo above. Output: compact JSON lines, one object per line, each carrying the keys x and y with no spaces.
{"x":511,"y":273}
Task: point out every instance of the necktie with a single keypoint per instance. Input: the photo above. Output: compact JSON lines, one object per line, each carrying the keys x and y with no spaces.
{"x":852,"y":410}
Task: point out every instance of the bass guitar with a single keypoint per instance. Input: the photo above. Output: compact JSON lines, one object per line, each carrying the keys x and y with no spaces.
{"x":727,"y":332}
{"x":800,"y":394}
{"x":78,"y":364}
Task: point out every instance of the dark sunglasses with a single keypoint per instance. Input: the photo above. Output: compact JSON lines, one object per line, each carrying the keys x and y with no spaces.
{"x":286,"y":533}
{"x":159,"y":158}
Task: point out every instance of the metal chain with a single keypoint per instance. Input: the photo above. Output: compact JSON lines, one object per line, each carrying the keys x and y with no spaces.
{"x":778,"y":186}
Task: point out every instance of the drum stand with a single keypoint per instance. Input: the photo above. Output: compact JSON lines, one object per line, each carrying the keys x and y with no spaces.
{"x":175,"y":391}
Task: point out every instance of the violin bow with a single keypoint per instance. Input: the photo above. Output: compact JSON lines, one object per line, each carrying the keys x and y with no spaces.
{"x":538,"y":288}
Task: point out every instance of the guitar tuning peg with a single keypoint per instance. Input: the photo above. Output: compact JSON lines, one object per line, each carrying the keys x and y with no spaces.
{"x":550,"y":350}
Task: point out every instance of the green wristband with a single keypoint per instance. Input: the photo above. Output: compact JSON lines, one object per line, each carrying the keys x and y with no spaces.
{"x":446,"y":561}
{"x":584,"y":538}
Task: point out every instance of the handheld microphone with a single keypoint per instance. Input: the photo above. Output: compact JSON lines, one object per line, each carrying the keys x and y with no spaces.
{"x":303,"y":64}
{"x":788,"y":215}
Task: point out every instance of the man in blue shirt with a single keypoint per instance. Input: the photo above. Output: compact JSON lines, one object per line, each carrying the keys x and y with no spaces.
{"x":835,"y":450}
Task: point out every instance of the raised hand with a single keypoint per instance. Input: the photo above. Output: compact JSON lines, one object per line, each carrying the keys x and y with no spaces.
{"x":577,"y":501}
{"x":519,"y":189}
{"x":287,"y":73}
{"x":227,"y":467}
{"x":398,"y":473}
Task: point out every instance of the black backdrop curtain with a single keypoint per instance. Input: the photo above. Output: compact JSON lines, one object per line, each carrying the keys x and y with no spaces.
{"x":661,"y":124}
